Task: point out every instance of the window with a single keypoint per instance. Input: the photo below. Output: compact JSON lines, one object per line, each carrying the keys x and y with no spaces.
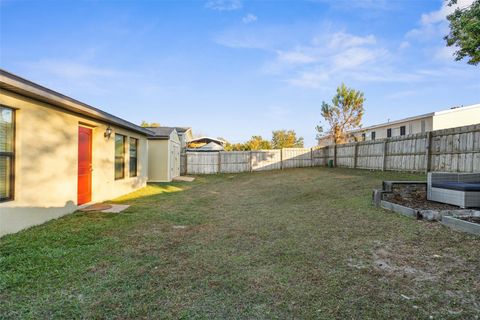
{"x":133,"y":157}
{"x":402,"y":130}
{"x":364,"y":137}
{"x":373,"y":135}
{"x":119,"y":156}
{"x":389,"y":133}
{"x":7,"y":153}
{"x":422,"y":124}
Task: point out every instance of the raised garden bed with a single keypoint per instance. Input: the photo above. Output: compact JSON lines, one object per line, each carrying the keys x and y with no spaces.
{"x":466,"y":224}
{"x":409,"y":198}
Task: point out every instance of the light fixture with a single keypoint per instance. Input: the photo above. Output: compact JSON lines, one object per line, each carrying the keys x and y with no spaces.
{"x":108,"y":132}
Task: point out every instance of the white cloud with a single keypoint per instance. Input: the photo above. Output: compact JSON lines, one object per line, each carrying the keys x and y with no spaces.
{"x":402,"y":94}
{"x":434,"y":24}
{"x":444,"y":53}
{"x":309,"y":79}
{"x":70,"y":75}
{"x":345,"y":40}
{"x":251,"y":36}
{"x":327,"y":56}
{"x":357,"y":56}
{"x":72,"y":70}
{"x":246,"y":41}
{"x":224,"y":5}
{"x":249,"y":18}
{"x":441,"y":14}
{"x":360,"y":4}
{"x":404,"y":45}
{"x":296,"y":56}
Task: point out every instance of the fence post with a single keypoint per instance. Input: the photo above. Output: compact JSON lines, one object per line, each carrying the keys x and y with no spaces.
{"x":251,"y":160}
{"x":311,"y":157}
{"x":355,"y":150}
{"x":281,"y":159}
{"x":428,"y":152}
{"x":384,"y":162}
{"x":335,"y":155}
{"x":219,"y":162}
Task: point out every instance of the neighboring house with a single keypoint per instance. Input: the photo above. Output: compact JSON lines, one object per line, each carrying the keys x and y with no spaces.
{"x":454,"y":117}
{"x":205,"y":144}
{"x":163,"y":154}
{"x":185,"y":135}
{"x":57,"y":153}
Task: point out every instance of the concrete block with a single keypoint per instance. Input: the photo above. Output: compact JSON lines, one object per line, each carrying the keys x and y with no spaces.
{"x":377,"y":197}
{"x":406,"y":211}
{"x":461,"y":225}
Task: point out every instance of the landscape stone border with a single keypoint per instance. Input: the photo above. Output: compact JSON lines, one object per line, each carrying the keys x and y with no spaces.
{"x":449,"y":218}
{"x":461,"y":225}
{"x":406,"y":211}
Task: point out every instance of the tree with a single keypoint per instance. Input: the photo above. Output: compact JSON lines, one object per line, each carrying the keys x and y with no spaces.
{"x":465,"y":32}
{"x":146,"y":124}
{"x":286,"y":139}
{"x":255,"y":143}
{"x":344,"y":114}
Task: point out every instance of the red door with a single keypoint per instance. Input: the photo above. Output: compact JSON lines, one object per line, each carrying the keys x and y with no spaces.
{"x":84,"y":193}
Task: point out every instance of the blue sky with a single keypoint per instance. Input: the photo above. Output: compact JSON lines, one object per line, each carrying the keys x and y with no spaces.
{"x":237,"y":68}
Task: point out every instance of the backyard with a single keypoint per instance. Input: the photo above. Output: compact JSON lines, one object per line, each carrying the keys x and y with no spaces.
{"x":297,"y":243}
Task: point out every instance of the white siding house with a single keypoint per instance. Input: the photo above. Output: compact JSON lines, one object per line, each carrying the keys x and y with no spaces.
{"x":451,"y":118}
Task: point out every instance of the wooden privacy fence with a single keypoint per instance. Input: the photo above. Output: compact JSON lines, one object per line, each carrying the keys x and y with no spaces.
{"x":451,"y":150}
{"x":246,"y":161}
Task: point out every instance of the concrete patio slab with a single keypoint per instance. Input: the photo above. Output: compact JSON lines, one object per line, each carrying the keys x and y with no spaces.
{"x":116,"y":208}
{"x":95,"y":207}
{"x":183,"y":179}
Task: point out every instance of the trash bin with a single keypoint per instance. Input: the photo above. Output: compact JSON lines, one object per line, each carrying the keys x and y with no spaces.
{"x":330,"y":163}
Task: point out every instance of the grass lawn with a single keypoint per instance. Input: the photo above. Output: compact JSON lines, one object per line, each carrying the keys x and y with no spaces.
{"x":300,"y":243}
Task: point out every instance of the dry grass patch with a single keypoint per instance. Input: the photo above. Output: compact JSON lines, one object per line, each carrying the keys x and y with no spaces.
{"x":300,"y":243}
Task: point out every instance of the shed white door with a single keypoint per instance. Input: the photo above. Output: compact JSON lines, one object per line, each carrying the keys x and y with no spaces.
{"x":174,"y":160}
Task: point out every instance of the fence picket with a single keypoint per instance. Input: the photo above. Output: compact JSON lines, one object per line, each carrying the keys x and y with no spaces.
{"x":453,"y":150}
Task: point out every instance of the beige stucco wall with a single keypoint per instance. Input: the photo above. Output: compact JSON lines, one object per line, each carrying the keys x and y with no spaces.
{"x":456,"y":118}
{"x":46,"y":163}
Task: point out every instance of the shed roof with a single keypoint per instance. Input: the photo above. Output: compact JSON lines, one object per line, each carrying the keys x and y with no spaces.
{"x":24,"y":87}
{"x":165,"y":132}
{"x":161,"y":132}
{"x":182,"y":129}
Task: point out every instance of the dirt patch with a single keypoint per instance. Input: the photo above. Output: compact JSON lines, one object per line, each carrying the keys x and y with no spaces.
{"x":420,"y":203}
{"x":384,"y":261}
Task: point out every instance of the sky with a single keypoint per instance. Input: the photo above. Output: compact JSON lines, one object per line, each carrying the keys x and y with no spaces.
{"x":234,"y":68}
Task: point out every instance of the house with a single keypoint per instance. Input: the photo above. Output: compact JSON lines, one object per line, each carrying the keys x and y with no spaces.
{"x":185,"y":135}
{"x":205,"y":144}
{"x":58,"y":154}
{"x":450,"y":118}
{"x":164,"y":149}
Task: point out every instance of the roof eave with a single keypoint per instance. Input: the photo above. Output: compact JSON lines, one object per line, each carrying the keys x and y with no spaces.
{"x":16,"y":84}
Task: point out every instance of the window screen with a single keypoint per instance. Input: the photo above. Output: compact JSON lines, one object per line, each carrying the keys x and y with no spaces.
{"x":119,"y":156}
{"x":7,"y":152}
